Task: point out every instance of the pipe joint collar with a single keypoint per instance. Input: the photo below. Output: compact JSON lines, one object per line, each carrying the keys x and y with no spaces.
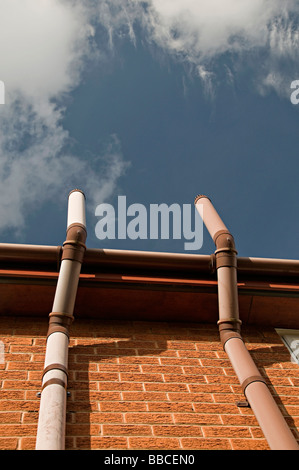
{"x":55,"y":366}
{"x":74,"y":247}
{"x":59,"y":322}
{"x":250,"y":380}
{"x":226,"y":258}
{"x":54,"y":381}
{"x":223,"y":239}
{"x":229,"y":329}
{"x":226,"y":253}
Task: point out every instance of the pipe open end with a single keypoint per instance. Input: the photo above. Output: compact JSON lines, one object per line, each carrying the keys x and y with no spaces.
{"x":77,"y":190}
{"x":200,"y":196}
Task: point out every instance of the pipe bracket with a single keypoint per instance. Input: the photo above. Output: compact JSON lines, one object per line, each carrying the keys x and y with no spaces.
{"x":243,"y":404}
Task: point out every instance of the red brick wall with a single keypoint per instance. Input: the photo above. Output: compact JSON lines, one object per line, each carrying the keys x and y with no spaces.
{"x":141,"y":385}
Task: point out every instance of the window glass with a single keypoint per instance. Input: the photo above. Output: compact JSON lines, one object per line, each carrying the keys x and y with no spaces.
{"x":291,"y":340}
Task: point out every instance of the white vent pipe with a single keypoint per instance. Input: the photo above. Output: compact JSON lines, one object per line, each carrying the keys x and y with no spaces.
{"x":52,"y":414}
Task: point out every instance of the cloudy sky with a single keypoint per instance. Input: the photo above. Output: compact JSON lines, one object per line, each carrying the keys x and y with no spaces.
{"x":155,"y":100}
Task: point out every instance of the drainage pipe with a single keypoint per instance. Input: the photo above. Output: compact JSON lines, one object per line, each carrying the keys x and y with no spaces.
{"x":253,"y":384}
{"x":52,"y":414}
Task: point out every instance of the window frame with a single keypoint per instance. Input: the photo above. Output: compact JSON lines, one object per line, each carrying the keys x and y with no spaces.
{"x":288,"y":336}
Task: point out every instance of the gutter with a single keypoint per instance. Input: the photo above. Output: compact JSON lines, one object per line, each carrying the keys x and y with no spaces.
{"x":253,"y":384}
{"x":48,"y":258}
{"x":52,"y":413}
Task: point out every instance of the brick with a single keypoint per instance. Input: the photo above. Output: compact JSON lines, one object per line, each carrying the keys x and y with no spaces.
{"x":6,"y":395}
{"x":239,"y":420}
{"x":196,"y":354}
{"x":228,"y":397}
{"x":257,"y":433}
{"x":219,"y":371}
{"x":156,"y":352}
{"x":214,"y":408}
{"x":185,"y":378}
{"x":98,"y":417}
{"x":177,"y":430}
{"x":170,"y":407}
{"x":13,"y":430}
{"x":157,"y":369}
{"x":119,"y":368}
{"x":121,"y":386}
{"x":90,"y":375}
{"x":166,"y":387}
{"x":148,"y":418}
{"x":8,"y":443}
{"x":101,"y":443}
{"x":21,"y":384}
{"x":287,"y":400}
{"x":22,"y":359}
{"x":180,"y":345}
{"x":249,"y":444}
{"x":143,"y":385}
{"x":196,"y":418}
{"x":205,"y":444}
{"x":191,"y":397}
{"x":145,"y":396}
{"x":166,"y":361}
{"x":226,"y":431}
{"x":210,"y":388}
{"x":123,"y":406}
{"x":139,"y":360}
{"x":282,"y":390}
{"x":126,"y":430}
{"x":13,"y":375}
{"x":153,"y":443}
{"x":10,"y":417}
{"x":96,"y":396}
{"x":80,"y":429}
{"x":141,"y":377}
{"x":30,"y":417}
{"x":18,"y":405}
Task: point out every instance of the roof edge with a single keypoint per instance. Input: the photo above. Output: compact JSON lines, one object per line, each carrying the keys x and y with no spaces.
{"x":46,"y":257}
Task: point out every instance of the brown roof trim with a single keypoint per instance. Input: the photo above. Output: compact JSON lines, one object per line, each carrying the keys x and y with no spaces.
{"x":134,"y":285}
{"x":47,"y":258}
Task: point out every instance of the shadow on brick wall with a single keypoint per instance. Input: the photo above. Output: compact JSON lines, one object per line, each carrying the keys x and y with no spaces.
{"x":274,"y":363}
{"x":100,"y":372}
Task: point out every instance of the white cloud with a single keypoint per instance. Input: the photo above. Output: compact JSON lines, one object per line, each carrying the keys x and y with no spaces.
{"x":199,"y":32}
{"x":40,"y":44}
{"x":35,"y":166}
{"x":43,"y":46}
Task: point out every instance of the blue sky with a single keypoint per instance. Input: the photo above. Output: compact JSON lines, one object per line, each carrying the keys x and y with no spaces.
{"x":157,"y":101}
